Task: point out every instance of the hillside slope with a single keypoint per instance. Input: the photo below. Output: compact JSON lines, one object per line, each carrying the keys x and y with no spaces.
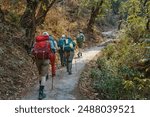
{"x":16,"y":69}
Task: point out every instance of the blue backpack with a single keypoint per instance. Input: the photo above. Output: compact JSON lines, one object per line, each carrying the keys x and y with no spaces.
{"x":61,"y":43}
{"x":51,"y":39}
{"x":68,"y":45}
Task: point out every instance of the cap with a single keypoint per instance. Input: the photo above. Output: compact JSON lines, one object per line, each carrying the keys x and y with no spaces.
{"x":63,"y":36}
{"x":45,"y":33}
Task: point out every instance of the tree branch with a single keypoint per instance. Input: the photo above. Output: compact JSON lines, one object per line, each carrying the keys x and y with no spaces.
{"x":145,"y":2}
{"x":43,"y":12}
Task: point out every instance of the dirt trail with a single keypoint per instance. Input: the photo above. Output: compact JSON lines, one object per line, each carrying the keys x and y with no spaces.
{"x":65,"y":84}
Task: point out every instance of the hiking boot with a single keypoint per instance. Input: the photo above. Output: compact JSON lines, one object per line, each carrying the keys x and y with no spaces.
{"x":40,"y":83}
{"x":70,"y":73}
{"x":79,"y":54}
{"x":42,"y":95}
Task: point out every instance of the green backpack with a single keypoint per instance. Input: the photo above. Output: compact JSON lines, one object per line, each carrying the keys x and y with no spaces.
{"x":80,"y":38}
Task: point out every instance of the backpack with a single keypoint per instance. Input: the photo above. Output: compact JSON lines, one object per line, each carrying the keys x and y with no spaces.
{"x":68,"y":45}
{"x":61,"y":43}
{"x":52,"y":41}
{"x":42,"y":48}
{"x":80,"y":38}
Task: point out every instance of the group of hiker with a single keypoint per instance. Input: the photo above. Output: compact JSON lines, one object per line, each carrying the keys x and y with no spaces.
{"x":44,"y":52}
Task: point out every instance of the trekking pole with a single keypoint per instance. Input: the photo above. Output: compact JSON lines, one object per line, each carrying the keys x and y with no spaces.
{"x":48,"y":76}
{"x":52,"y":83}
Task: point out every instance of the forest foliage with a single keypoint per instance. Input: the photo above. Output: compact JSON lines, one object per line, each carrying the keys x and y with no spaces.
{"x":122,"y":73}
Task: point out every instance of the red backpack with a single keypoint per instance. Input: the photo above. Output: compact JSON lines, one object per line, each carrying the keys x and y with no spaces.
{"x":42,"y":49}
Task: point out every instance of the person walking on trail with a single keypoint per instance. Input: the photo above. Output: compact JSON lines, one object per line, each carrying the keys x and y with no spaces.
{"x":61,"y":50}
{"x":52,"y":55}
{"x":42,"y":51}
{"x":80,"y":39}
{"x":69,"y":46}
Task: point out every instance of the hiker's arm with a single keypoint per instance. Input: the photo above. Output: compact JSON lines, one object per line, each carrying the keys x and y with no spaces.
{"x":83,"y":38}
{"x":56,"y":46}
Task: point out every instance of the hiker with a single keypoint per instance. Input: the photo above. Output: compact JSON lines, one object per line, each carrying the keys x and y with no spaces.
{"x":42,"y":51}
{"x":53,"y":55}
{"x":69,"y":46}
{"x":61,"y":50}
{"x":80,"y":39}
{"x":54,"y":43}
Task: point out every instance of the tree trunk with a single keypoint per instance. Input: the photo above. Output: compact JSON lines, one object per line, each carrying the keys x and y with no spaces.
{"x":94,"y":13}
{"x":2,"y":19}
{"x":30,"y":20}
{"x":92,"y":20}
{"x":145,"y":2}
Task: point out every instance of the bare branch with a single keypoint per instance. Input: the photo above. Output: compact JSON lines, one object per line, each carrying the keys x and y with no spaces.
{"x":43,"y":12}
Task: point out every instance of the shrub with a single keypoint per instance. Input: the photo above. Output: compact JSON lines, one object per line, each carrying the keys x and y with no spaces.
{"x":117,"y":76}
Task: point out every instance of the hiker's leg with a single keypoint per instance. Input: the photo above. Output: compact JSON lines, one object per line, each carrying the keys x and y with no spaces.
{"x":64,"y":60}
{"x":39,"y":67}
{"x":66,"y":56}
{"x":44,"y":72}
{"x":80,"y":45}
{"x":41,"y":88}
{"x":70,"y":61}
{"x":52,"y":61}
{"x":67,"y":64}
{"x":82,"y":48}
{"x":38,"y":64}
{"x":61,"y":57}
{"x":69,"y":68}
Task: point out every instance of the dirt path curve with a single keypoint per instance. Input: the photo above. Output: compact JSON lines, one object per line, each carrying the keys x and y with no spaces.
{"x":65,"y":84}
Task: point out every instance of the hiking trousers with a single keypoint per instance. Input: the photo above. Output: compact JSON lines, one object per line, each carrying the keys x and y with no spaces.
{"x":52,"y":62}
{"x":80,"y":48}
{"x":62,"y":59}
{"x":69,"y":58}
{"x":80,"y":44}
{"x":43,"y":66}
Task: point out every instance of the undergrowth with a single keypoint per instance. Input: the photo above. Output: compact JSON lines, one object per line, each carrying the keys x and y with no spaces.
{"x":120,"y":74}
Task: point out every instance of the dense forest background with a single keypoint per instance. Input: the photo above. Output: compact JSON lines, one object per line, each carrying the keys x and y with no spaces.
{"x":121,"y":70}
